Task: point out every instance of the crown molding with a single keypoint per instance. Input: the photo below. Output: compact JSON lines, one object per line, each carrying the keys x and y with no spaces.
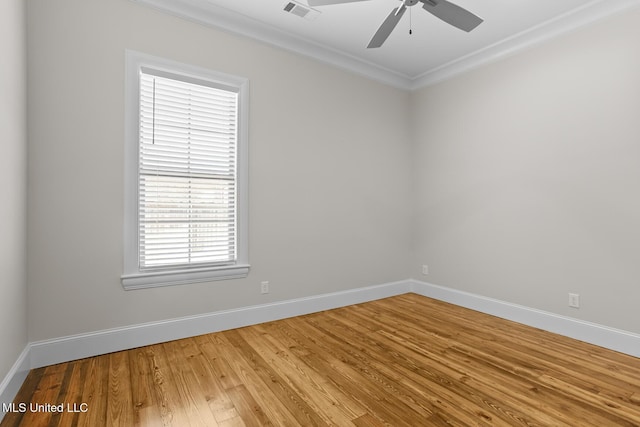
{"x":236,"y":23}
{"x":573,"y":20}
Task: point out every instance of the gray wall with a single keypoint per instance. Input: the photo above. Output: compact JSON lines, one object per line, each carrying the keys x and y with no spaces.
{"x":329,"y":201}
{"x":13,"y":174}
{"x":517,"y":181}
{"x":527,"y":176}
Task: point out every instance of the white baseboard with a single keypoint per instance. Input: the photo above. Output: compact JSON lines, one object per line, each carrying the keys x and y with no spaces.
{"x":74,"y":347}
{"x":59,"y":350}
{"x":593,"y":333}
{"x":14,"y":379}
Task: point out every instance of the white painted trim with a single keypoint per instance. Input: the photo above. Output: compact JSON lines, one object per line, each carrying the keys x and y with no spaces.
{"x":14,"y":379}
{"x":74,"y":347}
{"x":64,"y":349}
{"x":232,"y":22}
{"x":236,"y":23}
{"x":133,"y":278}
{"x":593,"y":333}
{"x":563,"y":24}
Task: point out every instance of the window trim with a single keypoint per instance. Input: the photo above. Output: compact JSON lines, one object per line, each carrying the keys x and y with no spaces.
{"x":132,"y":277}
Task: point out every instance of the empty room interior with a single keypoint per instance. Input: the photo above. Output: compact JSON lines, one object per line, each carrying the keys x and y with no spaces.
{"x":440,"y":230}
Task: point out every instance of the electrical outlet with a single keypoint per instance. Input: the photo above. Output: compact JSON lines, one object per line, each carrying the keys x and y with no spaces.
{"x":264,"y":287}
{"x":425,"y":269}
{"x":574,"y":300}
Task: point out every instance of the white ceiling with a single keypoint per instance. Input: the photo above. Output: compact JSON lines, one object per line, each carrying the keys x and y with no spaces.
{"x":435,"y":51}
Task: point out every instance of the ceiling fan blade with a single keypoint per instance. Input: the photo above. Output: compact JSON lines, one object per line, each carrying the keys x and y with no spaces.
{"x":314,"y":3}
{"x":387,"y":27}
{"x":452,"y":14}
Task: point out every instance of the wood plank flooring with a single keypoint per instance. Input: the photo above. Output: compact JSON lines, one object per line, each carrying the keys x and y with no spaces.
{"x":401,"y":361}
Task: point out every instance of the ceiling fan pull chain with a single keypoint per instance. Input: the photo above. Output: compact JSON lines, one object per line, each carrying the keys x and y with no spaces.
{"x":410,"y":24}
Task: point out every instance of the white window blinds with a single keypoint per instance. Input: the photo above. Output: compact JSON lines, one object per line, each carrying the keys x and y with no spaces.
{"x":187,"y":211}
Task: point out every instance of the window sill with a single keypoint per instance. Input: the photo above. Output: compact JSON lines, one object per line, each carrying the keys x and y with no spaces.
{"x":182,"y":277}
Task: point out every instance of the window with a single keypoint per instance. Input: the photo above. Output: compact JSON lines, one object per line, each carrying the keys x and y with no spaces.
{"x":185,"y":174}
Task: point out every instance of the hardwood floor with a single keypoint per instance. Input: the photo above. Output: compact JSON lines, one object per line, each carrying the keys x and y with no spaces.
{"x":402,"y":361}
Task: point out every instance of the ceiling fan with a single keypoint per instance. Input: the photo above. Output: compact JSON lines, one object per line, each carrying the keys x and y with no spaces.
{"x":443,"y":9}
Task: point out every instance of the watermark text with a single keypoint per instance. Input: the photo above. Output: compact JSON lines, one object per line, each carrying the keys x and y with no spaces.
{"x":44,"y":407}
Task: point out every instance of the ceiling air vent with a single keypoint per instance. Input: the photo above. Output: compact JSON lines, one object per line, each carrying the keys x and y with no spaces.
{"x":301,"y":10}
